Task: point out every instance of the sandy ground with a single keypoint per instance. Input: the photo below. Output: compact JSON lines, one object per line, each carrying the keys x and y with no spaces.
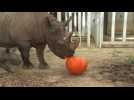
{"x":105,"y":69}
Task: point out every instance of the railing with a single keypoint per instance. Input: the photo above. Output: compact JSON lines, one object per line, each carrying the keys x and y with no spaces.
{"x":80,"y":25}
{"x":122,"y":40}
{"x":124,"y":27}
{"x":87,"y":24}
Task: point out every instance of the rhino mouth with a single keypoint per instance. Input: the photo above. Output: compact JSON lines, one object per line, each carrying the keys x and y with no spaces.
{"x":60,"y":50}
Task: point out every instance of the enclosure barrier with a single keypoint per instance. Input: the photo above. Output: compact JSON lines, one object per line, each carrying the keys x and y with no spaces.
{"x":113,"y":27}
{"x":91,"y":24}
{"x":80,"y":25}
{"x":123,"y":40}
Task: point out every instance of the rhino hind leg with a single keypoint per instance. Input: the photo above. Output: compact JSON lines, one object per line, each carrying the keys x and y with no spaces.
{"x":25,"y":57}
{"x":40,"y":54}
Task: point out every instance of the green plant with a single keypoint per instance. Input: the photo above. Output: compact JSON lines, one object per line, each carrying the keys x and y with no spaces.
{"x":130,"y":59}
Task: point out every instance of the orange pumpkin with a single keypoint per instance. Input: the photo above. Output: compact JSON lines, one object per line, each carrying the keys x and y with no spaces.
{"x":76,"y":65}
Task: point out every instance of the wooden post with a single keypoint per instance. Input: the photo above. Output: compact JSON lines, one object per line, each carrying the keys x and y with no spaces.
{"x":88,"y":28}
{"x":125,"y":26}
{"x":79,"y":25}
{"x":113,"y":27}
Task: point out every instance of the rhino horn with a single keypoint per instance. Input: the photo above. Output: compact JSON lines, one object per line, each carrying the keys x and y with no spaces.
{"x":74,"y":44}
{"x":51,"y":20}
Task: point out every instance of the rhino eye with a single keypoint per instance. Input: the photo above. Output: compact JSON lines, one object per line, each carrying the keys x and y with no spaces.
{"x":51,"y":30}
{"x":60,"y":42}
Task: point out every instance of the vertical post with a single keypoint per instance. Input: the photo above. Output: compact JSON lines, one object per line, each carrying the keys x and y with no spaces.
{"x":70,"y":24}
{"x":59,"y":16}
{"x":86,"y":24}
{"x":125,"y":26}
{"x":98,"y":30}
{"x":113,"y":27}
{"x":68,"y":27}
{"x":79,"y":25}
{"x":101,"y":27}
{"x":73,"y":27}
{"x":88,"y":28}
{"x":75,"y":21}
{"x":83,"y":23}
{"x":66,"y":18}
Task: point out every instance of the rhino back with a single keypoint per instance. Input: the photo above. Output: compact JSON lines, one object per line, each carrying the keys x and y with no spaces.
{"x":4,"y":28}
{"x":23,"y":25}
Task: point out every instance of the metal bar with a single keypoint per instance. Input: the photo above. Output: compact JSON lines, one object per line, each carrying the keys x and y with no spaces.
{"x":75,"y":21}
{"x":125,"y":26}
{"x":101,"y":28}
{"x":88,"y":28}
{"x":83,"y":23}
{"x":98,"y":30}
{"x":66,"y":18}
{"x":59,"y":16}
{"x":79,"y":25}
{"x":113,"y":27}
{"x":70,"y":24}
{"x":118,"y":44}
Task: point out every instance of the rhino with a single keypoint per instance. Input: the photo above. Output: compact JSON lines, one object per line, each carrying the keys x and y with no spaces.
{"x":24,"y":30}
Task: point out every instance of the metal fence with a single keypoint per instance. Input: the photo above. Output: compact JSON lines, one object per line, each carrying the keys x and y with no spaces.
{"x":87,"y":25}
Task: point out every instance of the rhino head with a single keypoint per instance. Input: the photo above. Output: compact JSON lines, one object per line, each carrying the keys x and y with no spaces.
{"x":58,"y":40}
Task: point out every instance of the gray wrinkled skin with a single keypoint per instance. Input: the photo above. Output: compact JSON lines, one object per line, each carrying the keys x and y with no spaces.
{"x":25,"y":30}
{"x":8,"y":58}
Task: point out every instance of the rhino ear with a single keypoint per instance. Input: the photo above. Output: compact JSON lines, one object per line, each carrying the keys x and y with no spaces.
{"x":52,"y":24}
{"x":74,"y":45}
{"x":51,"y":20}
{"x":68,"y":21}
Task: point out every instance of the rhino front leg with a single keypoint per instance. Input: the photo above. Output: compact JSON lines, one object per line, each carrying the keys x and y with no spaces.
{"x":6,"y":67}
{"x":40,"y":54}
{"x":25,"y":57}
